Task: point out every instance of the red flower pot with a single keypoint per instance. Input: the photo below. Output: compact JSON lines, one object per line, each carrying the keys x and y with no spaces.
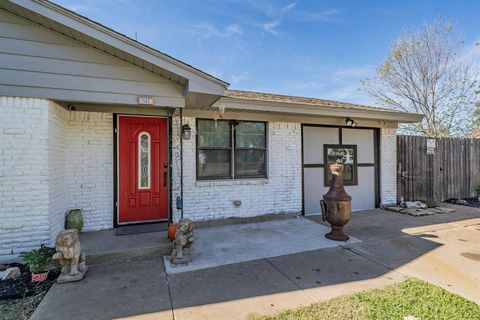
{"x":39,"y":277}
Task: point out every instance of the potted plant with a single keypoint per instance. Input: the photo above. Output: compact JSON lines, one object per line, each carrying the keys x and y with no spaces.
{"x":38,"y":261}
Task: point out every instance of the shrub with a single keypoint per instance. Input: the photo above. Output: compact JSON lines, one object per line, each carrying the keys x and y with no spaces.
{"x":476,"y":190}
{"x":38,"y":260}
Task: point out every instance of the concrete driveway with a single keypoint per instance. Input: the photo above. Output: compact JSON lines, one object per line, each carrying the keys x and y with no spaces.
{"x":442,"y":249}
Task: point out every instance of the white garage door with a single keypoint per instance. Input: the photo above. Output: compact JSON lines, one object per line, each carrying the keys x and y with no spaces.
{"x":358,"y":146}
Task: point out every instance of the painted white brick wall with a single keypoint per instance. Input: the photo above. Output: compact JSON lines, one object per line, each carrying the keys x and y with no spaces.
{"x":57,"y":168}
{"x":81,"y":168}
{"x":90,"y":167}
{"x":24,"y":175}
{"x":388,"y":166}
{"x":280,"y":193}
{"x":51,"y":160}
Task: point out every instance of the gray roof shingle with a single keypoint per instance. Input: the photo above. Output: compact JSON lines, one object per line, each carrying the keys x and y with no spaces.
{"x":270,"y":97}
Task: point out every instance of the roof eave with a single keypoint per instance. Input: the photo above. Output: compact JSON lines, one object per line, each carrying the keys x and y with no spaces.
{"x":317,"y":110}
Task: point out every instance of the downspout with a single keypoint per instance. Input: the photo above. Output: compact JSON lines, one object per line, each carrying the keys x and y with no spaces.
{"x":181,"y":162}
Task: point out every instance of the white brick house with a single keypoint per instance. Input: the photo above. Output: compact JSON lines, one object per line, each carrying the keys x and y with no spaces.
{"x":94,"y":120}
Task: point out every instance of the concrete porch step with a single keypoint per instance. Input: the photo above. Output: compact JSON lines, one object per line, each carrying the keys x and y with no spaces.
{"x":105,"y":247}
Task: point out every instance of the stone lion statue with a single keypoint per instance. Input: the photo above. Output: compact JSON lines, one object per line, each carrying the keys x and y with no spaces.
{"x":70,"y":256}
{"x":183,"y":240}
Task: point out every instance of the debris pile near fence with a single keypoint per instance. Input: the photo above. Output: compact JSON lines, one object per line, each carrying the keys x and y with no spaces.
{"x":418,"y":212}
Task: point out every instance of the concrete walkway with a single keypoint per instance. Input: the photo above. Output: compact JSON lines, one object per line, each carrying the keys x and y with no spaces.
{"x":442,"y":249}
{"x":224,"y":245}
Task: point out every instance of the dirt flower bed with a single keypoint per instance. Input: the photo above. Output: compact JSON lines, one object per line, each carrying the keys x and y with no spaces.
{"x":20,"y":309}
{"x":22,"y":286}
{"x":19,"y":297}
{"x":471,"y":202}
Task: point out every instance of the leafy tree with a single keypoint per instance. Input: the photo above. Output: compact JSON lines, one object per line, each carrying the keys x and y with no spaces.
{"x":427,"y":72}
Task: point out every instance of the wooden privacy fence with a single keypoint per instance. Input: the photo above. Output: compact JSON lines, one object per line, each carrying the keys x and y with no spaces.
{"x":438,"y":169}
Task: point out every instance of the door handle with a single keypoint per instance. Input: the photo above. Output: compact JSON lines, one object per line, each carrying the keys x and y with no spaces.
{"x":165,"y":178}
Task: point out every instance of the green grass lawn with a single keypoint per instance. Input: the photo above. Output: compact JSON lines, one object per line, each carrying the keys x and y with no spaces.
{"x":412,"y":297}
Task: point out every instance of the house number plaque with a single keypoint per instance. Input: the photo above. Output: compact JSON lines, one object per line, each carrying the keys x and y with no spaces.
{"x":145,"y":101}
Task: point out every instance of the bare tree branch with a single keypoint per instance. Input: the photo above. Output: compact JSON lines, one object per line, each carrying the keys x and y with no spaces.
{"x":424,"y":73}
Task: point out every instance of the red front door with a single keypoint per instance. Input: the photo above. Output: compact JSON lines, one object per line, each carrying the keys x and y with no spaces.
{"x":143,"y":169}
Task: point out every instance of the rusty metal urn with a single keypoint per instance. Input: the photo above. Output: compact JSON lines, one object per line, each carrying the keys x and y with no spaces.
{"x":336,"y":205}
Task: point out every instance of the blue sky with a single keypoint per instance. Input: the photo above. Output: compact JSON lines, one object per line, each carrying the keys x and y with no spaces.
{"x":309,"y":48}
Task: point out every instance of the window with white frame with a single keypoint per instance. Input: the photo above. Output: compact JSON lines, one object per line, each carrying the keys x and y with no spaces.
{"x":230,"y":149}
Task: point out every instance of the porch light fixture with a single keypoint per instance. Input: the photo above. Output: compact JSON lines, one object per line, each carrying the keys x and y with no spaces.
{"x":350,"y":122}
{"x":186,"y":132}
